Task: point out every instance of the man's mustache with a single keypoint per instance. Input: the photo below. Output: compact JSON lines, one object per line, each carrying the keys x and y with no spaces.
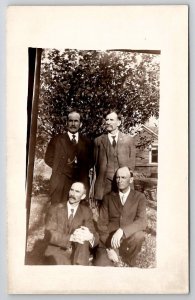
{"x":72,"y":197}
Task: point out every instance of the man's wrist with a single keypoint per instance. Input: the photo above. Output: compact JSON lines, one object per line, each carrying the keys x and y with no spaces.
{"x":121,"y":231}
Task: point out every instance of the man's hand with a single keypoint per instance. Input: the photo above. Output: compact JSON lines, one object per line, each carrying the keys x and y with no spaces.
{"x":76,"y":239}
{"x":116,"y":238}
{"x":82,"y":234}
{"x":112,"y":255}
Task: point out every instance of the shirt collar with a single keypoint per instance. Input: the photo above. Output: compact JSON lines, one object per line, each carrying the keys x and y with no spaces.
{"x":76,"y":135}
{"x":116,"y":136}
{"x":69,"y":206}
{"x":125,"y":195}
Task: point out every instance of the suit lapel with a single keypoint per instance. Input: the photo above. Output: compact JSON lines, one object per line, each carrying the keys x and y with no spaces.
{"x":130,"y":199}
{"x":64,"y":141}
{"x":105,"y":141}
{"x":76,"y":222}
{"x":120,"y":141}
{"x":81,"y":144}
{"x":117,"y":202}
{"x":63,"y":216}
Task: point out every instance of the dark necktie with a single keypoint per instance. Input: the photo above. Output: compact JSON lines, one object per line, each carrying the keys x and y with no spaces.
{"x":74,"y":139}
{"x":114,"y":141}
{"x":70,"y":218}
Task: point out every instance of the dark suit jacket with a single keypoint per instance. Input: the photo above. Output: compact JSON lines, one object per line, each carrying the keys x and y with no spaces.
{"x":59,"y":151}
{"x":125,"y":155}
{"x":131,"y":217}
{"x":57,"y":223}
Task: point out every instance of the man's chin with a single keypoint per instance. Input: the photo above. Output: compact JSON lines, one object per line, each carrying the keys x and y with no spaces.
{"x":72,"y":201}
{"x":73,"y":130}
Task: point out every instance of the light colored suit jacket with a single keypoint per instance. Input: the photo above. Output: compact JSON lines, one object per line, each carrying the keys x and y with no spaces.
{"x":125,"y":150}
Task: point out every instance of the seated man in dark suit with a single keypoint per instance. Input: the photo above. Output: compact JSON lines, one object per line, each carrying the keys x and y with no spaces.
{"x":121,"y":222}
{"x":70,"y":230}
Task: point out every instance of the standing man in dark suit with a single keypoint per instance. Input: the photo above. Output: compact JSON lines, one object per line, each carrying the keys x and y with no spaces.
{"x":112,"y":150}
{"x":70,"y":230}
{"x":70,"y":157}
{"x":121,"y":222}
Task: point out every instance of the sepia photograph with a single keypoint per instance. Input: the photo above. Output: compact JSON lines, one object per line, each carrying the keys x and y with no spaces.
{"x":94,"y":136}
{"x":97,"y":171}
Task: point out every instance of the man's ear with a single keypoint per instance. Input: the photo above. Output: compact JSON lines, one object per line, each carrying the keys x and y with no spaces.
{"x":83,"y":197}
{"x":131,"y":179}
{"x":119,"y":123}
{"x":81,"y":124}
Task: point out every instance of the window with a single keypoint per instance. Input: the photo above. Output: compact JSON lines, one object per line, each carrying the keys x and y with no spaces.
{"x":153,"y":154}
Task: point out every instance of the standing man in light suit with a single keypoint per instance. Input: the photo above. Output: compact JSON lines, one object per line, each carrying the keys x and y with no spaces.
{"x":70,"y":156}
{"x":111,"y":151}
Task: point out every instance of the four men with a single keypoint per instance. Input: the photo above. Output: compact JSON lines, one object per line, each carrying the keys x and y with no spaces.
{"x":70,"y":229}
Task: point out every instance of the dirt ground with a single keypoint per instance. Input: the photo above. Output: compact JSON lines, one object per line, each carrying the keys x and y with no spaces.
{"x":35,"y":242}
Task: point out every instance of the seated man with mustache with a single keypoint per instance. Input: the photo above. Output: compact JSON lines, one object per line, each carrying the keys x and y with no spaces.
{"x":69,"y":230}
{"x":70,"y":155}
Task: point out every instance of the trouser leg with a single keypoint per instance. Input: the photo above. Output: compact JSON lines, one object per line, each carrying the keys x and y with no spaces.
{"x":102,"y":259}
{"x":108,"y":186}
{"x":81,"y":253}
{"x":56,"y":256}
{"x":131,"y":247}
{"x":59,"y":188}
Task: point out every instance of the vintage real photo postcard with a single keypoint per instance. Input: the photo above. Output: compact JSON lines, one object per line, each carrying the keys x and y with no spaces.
{"x":97,"y":164}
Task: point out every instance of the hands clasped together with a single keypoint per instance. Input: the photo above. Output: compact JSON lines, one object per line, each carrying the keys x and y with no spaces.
{"x":81,"y":235}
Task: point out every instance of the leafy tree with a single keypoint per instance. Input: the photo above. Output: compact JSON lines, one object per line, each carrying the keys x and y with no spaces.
{"x":95,"y":82}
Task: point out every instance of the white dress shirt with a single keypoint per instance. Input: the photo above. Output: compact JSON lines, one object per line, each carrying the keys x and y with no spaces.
{"x":123,"y":196}
{"x":110,"y":137}
{"x":75,"y":134}
{"x":70,"y":207}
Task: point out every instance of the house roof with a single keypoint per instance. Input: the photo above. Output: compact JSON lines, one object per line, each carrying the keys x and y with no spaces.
{"x":151,"y":129}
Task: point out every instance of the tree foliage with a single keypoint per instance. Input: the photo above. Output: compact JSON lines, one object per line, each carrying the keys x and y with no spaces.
{"x":94,"y":82}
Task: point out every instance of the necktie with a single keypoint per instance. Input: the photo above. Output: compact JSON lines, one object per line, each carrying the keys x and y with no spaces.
{"x":74,"y":139}
{"x":70,"y":218}
{"x":123,"y":199}
{"x":114,"y":141}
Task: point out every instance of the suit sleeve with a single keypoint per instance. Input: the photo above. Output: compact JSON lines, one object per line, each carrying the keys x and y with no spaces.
{"x":132,"y":153}
{"x":51,"y":227}
{"x":103,"y":221}
{"x":50,"y":152}
{"x":90,"y":225}
{"x":95,"y":152}
{"x":91,"y":151}
{"x":139,"y":222}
